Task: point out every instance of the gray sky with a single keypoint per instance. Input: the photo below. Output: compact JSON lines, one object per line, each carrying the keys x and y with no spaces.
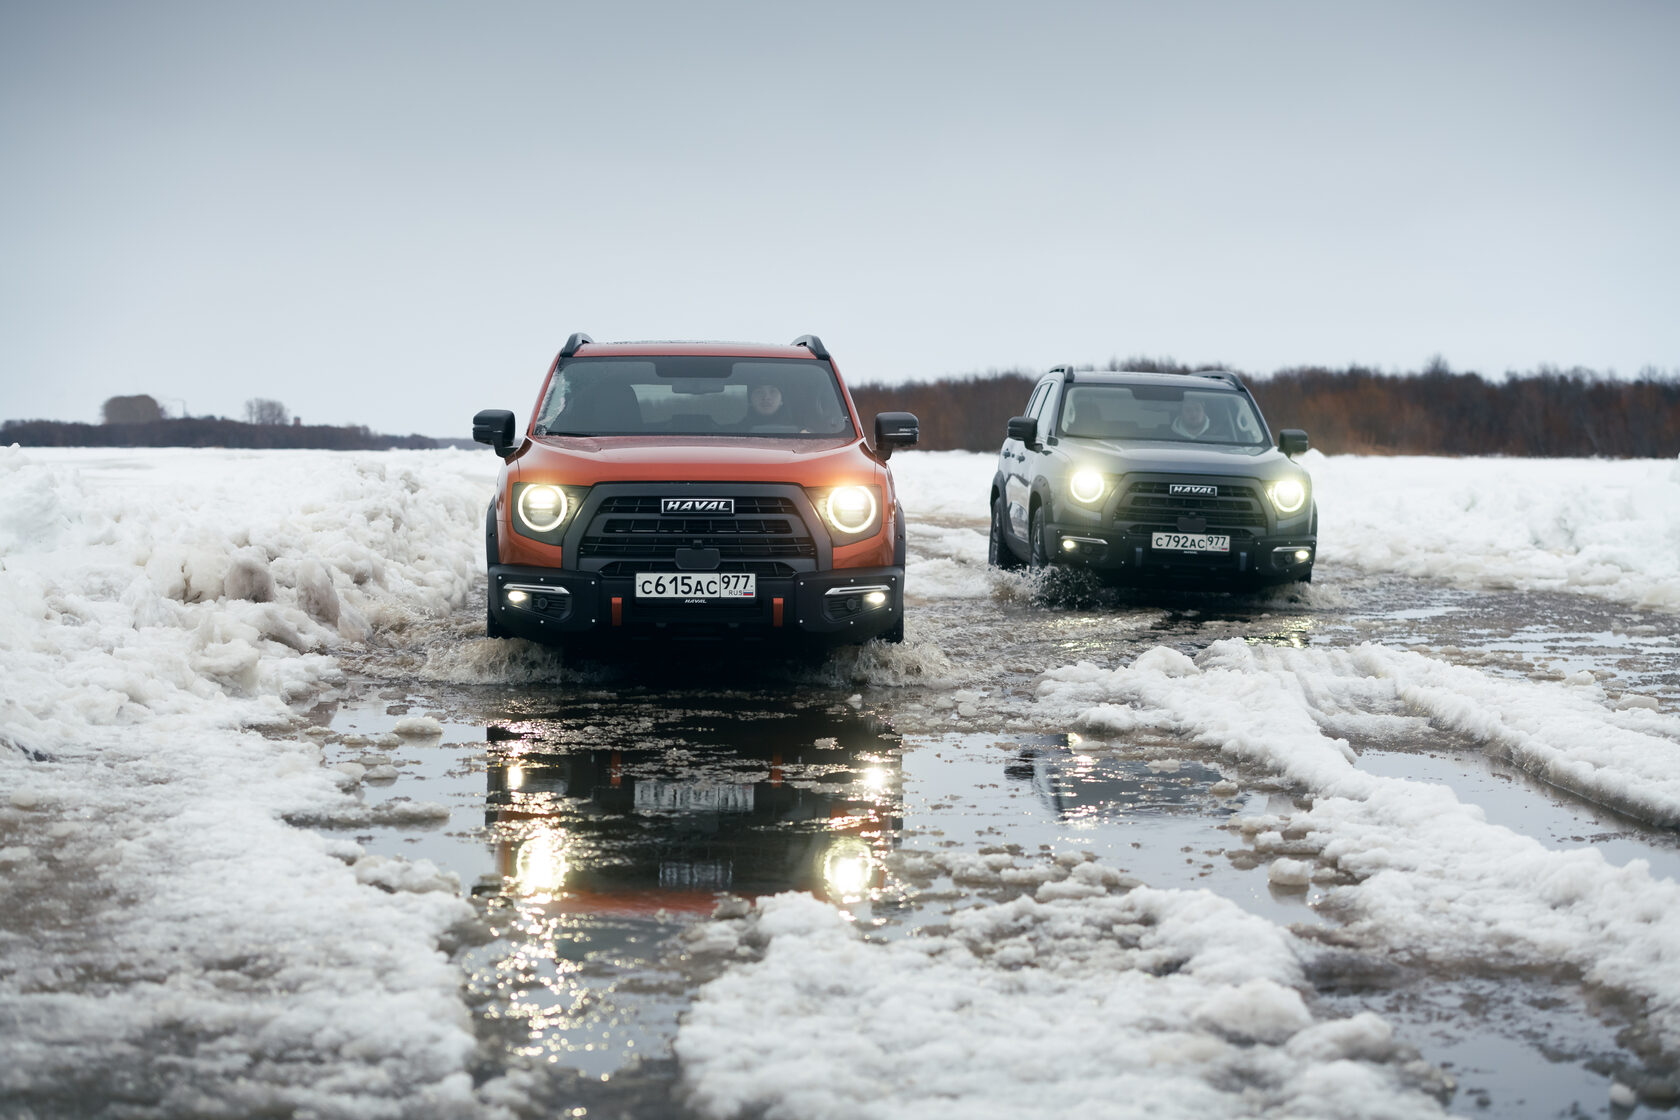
{"x":394,"y":214}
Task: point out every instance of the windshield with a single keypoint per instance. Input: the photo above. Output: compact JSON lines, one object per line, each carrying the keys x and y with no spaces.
{"x":694,"y":395}
{"x":1161,"y":412}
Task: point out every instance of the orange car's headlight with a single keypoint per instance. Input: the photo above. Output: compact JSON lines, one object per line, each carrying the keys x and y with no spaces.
{"x":850,"y":511}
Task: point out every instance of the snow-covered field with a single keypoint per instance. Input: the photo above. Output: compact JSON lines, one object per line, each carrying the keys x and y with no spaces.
{"x":166,"y":615}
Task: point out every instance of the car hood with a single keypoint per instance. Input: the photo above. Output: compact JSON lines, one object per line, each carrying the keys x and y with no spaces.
{"x":1178,"y":458}
{"x":584,"y":461}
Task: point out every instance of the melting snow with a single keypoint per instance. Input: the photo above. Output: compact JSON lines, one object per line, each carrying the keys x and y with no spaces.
{"x":164,"y":614}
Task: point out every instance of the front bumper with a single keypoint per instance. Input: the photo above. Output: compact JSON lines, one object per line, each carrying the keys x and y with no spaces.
{"x":833,"y":606}
{"x":1119,"y":538}
{"x":1253,"y":557}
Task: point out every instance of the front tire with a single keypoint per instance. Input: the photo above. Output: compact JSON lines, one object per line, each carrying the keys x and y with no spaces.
{"x":998,"y":554}
{"x":492,"y":629}
{"x":1040,"y":552}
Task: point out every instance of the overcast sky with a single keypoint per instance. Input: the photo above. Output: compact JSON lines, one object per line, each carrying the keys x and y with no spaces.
{"x":394,"y":214}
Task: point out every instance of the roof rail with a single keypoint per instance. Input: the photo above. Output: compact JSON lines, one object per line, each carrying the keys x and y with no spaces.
{"x":1066,"y":368}
{"x":812,"y":343}
{"x":1224,"y":375}
{"x":572,"y":344}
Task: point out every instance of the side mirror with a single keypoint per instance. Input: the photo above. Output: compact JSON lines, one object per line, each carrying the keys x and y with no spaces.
{"x":894,"y":430}
{"x":495,"y":427}
{"x":1292,"y":441}
{"x":1024,"y":428}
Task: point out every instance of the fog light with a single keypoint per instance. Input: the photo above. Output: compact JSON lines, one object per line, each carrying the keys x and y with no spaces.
{"x":517,"y":596}
{"x":1069,"y":545}
{"x":875,"y":598}
{"x":1302,"y":556}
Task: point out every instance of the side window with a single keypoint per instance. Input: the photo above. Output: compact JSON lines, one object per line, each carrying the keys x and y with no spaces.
{"x":1046,"y":414}
{"x":1035,"y":403}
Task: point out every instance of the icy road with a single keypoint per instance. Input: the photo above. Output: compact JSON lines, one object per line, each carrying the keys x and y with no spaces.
{"x":281,"y":835}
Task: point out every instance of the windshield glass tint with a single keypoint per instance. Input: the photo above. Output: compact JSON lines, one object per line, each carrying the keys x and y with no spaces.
{"x":1161,"y":413}
{"x":691,"y":395}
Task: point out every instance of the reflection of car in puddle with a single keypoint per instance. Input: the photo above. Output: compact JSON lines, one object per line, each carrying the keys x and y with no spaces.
{"x":744,"y":801}
{"x":1077,"y":786}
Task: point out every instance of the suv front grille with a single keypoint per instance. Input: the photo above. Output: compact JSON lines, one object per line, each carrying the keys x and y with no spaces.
{"x":770,"y":569}
{"x":747,"y":506}
{"x":1150,"y":503}
{"x":764,"y":529}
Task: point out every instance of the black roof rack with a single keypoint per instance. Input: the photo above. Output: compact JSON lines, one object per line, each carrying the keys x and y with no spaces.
{"x":1224,"y":375}
{"x":572,"y":344}
{"x":812,"y":343}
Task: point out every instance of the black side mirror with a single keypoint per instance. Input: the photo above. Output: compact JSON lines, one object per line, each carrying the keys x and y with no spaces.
{"x":1024,"y":428}
{"x":1292,"y":441}
{"x":894,"y":430}
{"x":495,"y":427}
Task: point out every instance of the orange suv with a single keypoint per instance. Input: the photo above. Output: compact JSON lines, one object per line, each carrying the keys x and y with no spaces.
{"x":694,"y":489}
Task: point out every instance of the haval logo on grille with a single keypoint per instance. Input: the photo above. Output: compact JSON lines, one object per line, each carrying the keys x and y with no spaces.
{"x":1185,"y":488}
{"x":697,"y":505}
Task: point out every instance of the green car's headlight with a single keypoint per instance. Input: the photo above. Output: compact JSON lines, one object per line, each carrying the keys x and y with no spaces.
{"x":1287,"y":496}
{"x":1087,"y":486}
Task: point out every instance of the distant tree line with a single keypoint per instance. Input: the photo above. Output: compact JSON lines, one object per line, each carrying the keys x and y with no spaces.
{"x":1569,"y":413}
{"x":206,"y":431}
{"x":139,"y":421}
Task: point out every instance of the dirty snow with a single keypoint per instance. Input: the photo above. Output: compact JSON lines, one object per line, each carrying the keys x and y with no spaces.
{"x":1150,"y":1003}
{"x":166,"y":929}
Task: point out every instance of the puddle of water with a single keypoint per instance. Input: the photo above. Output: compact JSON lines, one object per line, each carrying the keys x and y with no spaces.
{"x":1499,"y":1039}
{"x":1152,"y":819}
{"x":1519,"y":802}
{"x":594,"y":830}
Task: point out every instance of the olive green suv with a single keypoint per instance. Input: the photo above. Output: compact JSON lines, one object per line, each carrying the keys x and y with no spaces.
{"x":1153,"y":477}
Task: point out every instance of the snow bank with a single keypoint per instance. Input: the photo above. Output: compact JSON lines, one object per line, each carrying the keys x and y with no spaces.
{"x":1435,"y":880}
{"x":165,"y":930}
{"x":1609,"y":528}
{"x":1071,"y":1003}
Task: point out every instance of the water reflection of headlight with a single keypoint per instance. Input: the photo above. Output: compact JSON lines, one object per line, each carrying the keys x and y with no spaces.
{"x":876,"y":779}
{"x":540,"y":865}
{"x":515,"y":775}
{"x":848,"y":866}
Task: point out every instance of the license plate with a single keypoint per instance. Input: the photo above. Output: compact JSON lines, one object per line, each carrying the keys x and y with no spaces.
{"x":653,"y":796}
{"x":696,"y":585}
{"x":1191,"y":542}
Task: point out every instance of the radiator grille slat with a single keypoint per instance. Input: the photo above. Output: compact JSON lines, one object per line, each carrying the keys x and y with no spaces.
{"x":764,"y":530}
{"x":1152,"y":503}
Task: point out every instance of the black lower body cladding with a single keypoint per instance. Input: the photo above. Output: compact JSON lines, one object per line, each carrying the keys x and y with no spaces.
{"x":1134,"y":557}
{"x":840,"y":606}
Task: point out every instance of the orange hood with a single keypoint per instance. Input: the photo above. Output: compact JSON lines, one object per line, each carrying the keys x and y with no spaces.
{"x":584,"y":461}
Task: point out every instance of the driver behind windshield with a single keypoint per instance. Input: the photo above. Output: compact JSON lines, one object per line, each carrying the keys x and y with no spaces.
{"x":766,"y":405}
{"x":1194,"y":421}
